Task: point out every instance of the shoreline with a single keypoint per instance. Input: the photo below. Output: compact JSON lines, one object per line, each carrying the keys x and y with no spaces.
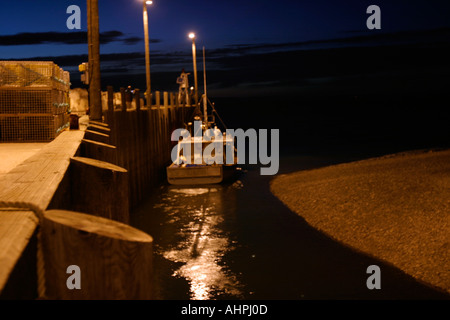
{"x":395,"y":208}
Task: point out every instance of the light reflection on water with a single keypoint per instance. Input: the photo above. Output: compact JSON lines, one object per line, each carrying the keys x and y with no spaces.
{"x":195,"y":239}
{"x":239,"y":242}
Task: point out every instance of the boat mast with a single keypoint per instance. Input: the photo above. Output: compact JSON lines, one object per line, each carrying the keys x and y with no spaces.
{"x":205,"y":97}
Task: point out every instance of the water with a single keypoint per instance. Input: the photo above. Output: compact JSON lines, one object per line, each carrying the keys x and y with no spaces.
{"x":192,"y":229}
{"x":238,"y":241}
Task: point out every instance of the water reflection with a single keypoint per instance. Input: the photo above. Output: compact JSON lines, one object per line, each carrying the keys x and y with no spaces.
{"x":240,"y":242}
{"x":196,"y":240}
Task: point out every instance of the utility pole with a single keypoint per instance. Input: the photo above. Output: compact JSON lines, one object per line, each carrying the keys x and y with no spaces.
{"x":95,"y":98}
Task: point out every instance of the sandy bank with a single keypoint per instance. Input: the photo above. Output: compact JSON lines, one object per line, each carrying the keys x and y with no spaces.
{"x":395,"y":208}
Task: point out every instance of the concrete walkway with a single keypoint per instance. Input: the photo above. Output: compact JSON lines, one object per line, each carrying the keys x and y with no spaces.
{"x":395,"y":208}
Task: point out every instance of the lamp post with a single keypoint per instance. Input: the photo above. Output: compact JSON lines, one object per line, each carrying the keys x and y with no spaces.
{"x":194,"y":57}
{"x":148,"y":93}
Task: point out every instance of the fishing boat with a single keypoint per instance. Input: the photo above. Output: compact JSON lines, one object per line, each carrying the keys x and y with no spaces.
{"x":199,"y":174}
{"x":192,"y":166}
{"x":204,"y":156}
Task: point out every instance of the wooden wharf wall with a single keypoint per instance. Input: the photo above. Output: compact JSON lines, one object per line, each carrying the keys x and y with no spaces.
{"x":118,"y":161}
{"x":143,"y":139}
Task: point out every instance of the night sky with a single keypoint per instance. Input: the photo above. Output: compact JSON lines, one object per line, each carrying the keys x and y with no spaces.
{"x":251,"y":44}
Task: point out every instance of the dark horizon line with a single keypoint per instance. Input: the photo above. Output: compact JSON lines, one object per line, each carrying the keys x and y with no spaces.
{"x":68,"y":38}
{"x":378,"y":35}
{"x":80,"y":37}
{"x":167,"y":58}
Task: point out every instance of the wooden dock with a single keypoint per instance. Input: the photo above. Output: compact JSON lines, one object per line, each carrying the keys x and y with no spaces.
{"x":35,"y":181}
{"x":103,"y":171}
{"x":13,"y":154}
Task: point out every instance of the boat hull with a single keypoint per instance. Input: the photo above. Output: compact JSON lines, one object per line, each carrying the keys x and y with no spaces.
{"x":197,"y":175}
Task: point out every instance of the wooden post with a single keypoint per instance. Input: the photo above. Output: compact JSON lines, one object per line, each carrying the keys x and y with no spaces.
{"x":101,"y":129}
{"x":95,"y":97}
{"x":121,"y":138}
{"x":113,"y":260}
{"x":151,"y":144}
{"x":166,"y":99}
{"x":99,"y":188}
{"x":134,"y":158}
{"x":97,"y":136}
{"x":110,"y":112}
{"x":110,"y":99}
{"x":124,"y":99}
{"x":158,"y":130}
{"x":145,"y":136}
{"x":18,"y":255}
{"x":172,"y":99}
{"x":98,"y":151}
{"x":97,"y":123}
{"x":166,"y":106}
{"x":158,"y":99}
{"x":137,"y":98}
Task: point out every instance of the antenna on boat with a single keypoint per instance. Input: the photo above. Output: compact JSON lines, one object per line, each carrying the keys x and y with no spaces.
{"x":205,"y":97}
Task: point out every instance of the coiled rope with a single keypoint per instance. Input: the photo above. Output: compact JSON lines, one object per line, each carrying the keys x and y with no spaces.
{"x":27,"y":206}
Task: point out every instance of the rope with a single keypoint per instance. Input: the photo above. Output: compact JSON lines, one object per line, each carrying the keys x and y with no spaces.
{"x":40,"y":255}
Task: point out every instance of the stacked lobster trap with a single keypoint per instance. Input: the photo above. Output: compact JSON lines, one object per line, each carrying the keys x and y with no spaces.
{"x":34,"y":101}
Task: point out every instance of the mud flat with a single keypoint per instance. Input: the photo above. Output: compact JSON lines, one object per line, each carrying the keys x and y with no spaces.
{"x":395,"y":208}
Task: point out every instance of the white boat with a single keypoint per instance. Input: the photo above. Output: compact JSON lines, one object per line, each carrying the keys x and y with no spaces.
{"x":201,"y":170}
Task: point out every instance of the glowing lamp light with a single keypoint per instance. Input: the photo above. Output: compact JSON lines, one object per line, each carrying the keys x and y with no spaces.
{"x":149,"y":2}
{"x":191,"y":35}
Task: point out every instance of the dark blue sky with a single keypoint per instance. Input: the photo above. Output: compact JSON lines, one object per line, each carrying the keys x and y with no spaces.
{"x":217,"y":23}
{"x":232,"y":28}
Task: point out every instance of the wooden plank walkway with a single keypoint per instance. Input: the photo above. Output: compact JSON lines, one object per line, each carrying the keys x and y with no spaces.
{"x":37,"y":179}
{"x":33,"y":181}
{"x":12,"y":154}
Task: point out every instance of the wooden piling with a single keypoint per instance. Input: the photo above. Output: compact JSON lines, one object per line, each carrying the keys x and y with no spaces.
{"x":101,"y":129}
{"x":166,"y":99}
{"x":172,"y":99}
{"x":114,"y":260}
{"x":110,"y":91}
{"x":137,"y":98}
{"x":134,"y":157}
{"x":158,"y":99}
{"x":98,"y":123}
{"x":97,"y":136}
{"x":18,"y":243}
{"x":99,"y":188}
{"x":110,"y":114}
{"x":124,"y":99}
{"x":98,"y":151}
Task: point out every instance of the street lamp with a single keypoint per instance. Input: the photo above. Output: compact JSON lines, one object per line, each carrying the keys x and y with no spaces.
{"x":194,"y":57}
{"x":148,"y":93}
